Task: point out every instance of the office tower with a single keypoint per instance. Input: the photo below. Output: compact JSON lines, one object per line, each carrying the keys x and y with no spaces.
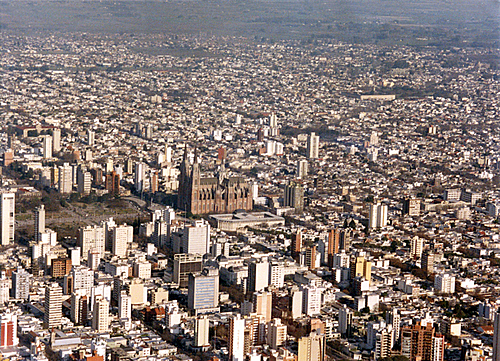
{"x":302,"y":168}
{"x":361,"y":267}
{"x":311,"y":300}
{"x":384,"y":343}
{"x":258,"y":276}
{"x":47,"y":146}
{"x":345,"y":322}
{"x":90,"y":137}
{"x":496,"y":337}
{"x":452,"y":194}
{"x":39,"y":214}
{"x":79,"y":307}
{"x":378,"y":216}
{"x":7,"y":217}
{"x":203,"y":290}
{"x":84,"y":181}
{"x":237,"y":339}
{"x":313,"y":146}
{"x":201,"y":332}
{"x":416,"y":247}
{"x":294,"y":196}
{"x":202,"y":195}
{"x":139,"y":177}
{"x":263,"y":304}
{"x":374,"y":138}
{"x":53,"y":306}
{"x":121,"y":236}
{"x":113,"y":183}
{"x":20,"y":284}
{"x":296,"y":244}
{"x":56,"y":140}
{"x":100,"y":316}
{"x":8,"y":329}
{"x":333,"y":245}
{"x":411,"y":207}
{"x":310,"y":257}
{"x":444,"y":283}
{"x":276,"y":275}
{"x":276,"y":334}
{"x":125,"y":308}
{"x":91,"y":238}
{"x":65,"y":182}
{"x":417,"y":342}
{"x":184,"y":264}
{"x":312,"y":347}
{"x":194,"y":238}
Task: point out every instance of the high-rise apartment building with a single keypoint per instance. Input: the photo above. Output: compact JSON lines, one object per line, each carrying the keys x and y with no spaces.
{"x":312,"y":150}
{"x":276,"y":334}
{"x":79,"y":307}
{"x":125,"y":308}
{"x":361,"y":267}
{"x":121,"y":236}
{"x":378,"y":216}
{"x":47,"y":146}
{"x":312,"y":347}
{"x":201,"y":332}
{"x":237,"y":339}
{"x":7,"y":217}
{"x":56,"y":140}
{"x":53,"y":306}
{"x":39,"y":214}
{"x":263,"y":304}
{"x":91,"y":238}
{"x":100,"y":316}
{"x":428,"y":262}
{"x":20,"y":284}
{"x":302,"y":168}
{"x":417,"y":342}
{"x":8,"y":329}
{"x":411,"y":207}
{"x":294,"y":196}
{"x":65,"y":180}
{"x":258,"y":276}
{"x":444,"y":283}
{"x":496,"y":337}
{"x":345,"y":321}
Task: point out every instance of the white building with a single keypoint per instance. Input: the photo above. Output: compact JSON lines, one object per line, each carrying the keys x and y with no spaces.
{"x":7,"y":217}
{"x":444,"y":283}
{"x":378,"y":215}
{"x":313,"y":146}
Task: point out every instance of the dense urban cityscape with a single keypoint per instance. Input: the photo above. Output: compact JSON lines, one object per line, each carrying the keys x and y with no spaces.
{"x":195,"y":197}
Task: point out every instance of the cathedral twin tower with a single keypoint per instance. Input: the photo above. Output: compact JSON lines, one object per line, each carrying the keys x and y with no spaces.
{"x":219,"y":194}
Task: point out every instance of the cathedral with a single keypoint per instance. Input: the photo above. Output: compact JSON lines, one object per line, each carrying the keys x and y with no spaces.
{"x":219,"y":194}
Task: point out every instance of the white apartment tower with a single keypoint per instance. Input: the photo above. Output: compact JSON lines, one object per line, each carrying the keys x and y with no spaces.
{"x":7,"y":217}
{"x":378,"y":215}
{"x":39,"y":222}
{"x":100,"y":317}
{"x":53,"y":306}
{"x":313,"y":146}
{"x":47,"y":146}
{"x":237,"y":339}
{"x":65,"y":181}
